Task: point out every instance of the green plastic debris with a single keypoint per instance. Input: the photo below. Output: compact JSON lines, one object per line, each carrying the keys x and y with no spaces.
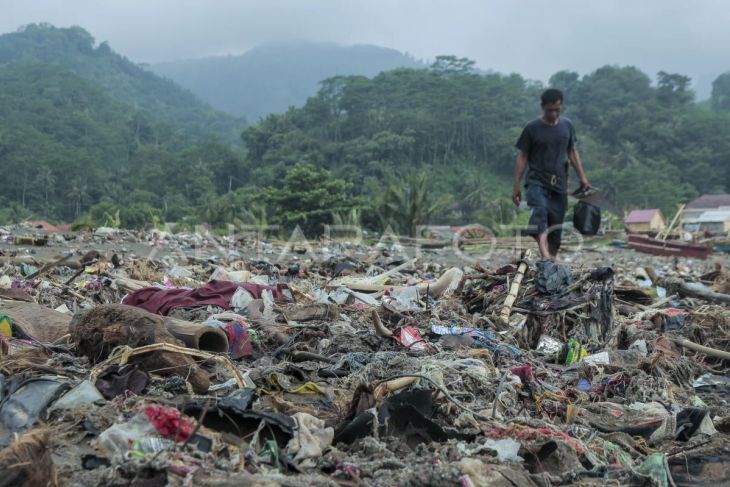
{"x":655,"y":466}
{"x":576,"y":352}
{"x":27,"y":269}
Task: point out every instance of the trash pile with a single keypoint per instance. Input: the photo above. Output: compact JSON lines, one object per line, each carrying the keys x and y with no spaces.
{"x":363,"y":368}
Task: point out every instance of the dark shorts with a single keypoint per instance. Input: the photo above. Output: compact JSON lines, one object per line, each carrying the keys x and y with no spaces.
{"x":547,"y":209}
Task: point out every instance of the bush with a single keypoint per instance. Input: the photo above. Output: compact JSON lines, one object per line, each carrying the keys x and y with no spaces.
{"x":139,"y":215}
{"x":84,"y":222}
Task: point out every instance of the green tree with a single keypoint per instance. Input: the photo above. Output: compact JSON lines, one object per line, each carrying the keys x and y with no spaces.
{"x":674,"y":89}
{"x":445,"y":65}
{"x":720,"y":98}
{"x":308,"y":198}
{"x":567,"y":82}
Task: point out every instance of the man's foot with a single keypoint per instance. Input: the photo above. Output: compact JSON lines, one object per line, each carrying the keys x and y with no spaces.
{"x":542,"y":244}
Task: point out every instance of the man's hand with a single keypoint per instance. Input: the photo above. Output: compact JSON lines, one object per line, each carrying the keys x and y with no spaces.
{"x":516,"y":195}
{"x":574,"y":157}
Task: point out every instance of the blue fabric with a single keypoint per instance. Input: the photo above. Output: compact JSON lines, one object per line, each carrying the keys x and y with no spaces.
{"x":547,"y":213}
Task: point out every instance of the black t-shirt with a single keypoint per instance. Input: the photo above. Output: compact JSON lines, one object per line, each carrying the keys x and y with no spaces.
{"x":547,"y":147}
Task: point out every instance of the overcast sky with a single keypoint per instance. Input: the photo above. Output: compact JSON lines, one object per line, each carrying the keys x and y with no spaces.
{"x":532,"y":37}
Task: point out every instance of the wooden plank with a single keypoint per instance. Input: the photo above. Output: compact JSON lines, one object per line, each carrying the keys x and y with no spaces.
{"x":39,"y":322}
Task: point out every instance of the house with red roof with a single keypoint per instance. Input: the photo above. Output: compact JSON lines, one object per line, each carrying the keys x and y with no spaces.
{"x":645,"y":221}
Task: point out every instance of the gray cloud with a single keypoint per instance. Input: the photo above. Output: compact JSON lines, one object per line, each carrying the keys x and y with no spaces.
{"x":530,"y":37}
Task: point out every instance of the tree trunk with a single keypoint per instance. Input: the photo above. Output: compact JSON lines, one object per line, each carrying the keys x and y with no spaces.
{"x":25,"y":185}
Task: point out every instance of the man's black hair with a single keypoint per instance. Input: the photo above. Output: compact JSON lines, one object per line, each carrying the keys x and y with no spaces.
{"x":551,"y":96}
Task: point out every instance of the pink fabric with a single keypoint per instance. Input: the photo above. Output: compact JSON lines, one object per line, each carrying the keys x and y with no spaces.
{"x":217,"y":293}
{"x":239,"y":341}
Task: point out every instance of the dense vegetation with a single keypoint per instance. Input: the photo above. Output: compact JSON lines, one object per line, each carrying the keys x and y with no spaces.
{"x":65,"y":145}
{"x":75,"y":50}
{"x":272,"y":77}
{"x":404,"y":148}
{"x":449,"y":132}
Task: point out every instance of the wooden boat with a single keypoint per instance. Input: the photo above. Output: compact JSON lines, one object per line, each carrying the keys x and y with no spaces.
{"x":670,"y":248}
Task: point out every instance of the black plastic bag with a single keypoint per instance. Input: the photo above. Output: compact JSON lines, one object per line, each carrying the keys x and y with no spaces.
{"x":552,"y":278}
{"x":586,"y":218}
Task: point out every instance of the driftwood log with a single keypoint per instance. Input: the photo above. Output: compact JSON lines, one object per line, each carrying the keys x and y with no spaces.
{"x":198,"y":336}
{"x":100,"y":330}
{"x":712,"y":352}
{"x":689,"y":291}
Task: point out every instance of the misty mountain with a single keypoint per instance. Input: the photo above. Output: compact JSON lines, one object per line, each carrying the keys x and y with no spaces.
{"x":56,"y":127}
{"x":66,"y":145}
{"x":75,"y":50}
{"x":272,"y":77}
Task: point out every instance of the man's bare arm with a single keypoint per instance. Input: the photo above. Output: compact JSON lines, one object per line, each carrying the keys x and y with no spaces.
{"x":574,"y":158}
{"x":520,"y":166}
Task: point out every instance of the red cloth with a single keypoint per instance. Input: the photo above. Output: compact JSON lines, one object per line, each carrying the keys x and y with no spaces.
{"x":217,"y":293}
{"x":524,"y":372}
{"x":169,"y":422}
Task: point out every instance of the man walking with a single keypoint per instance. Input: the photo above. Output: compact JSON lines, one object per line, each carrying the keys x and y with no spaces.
{"x":544,"y":149}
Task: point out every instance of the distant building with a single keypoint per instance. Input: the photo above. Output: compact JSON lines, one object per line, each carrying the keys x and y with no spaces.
{"x":706,"y":202}
{"x":708,"y":213}
{"x":645,"y":221}
{"x":713,"y":221}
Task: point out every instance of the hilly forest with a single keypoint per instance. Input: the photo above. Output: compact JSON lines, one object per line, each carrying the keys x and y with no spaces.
{"x":90,"y":137}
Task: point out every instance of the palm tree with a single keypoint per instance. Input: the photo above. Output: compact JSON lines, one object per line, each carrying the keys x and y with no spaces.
{"x":409,"y":204}
{"x":477,"y":194}
{"x":114,"y":190}
{"x":349,"y":218}
{"x":254,"y":215}
{"x":45,"y":179}
{"x":347,"y":221}
{"x":77,"y":193}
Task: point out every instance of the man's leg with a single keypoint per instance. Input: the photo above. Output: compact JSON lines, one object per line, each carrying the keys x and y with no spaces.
{"x":557,"y":205}
{"x":544,"y":246}
{"x":537,"y":200}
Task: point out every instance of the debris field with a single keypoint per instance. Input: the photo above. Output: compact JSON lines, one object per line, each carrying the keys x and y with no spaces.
{"x":352,"y":364}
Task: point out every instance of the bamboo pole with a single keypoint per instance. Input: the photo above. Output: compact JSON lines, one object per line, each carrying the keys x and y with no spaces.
{"x":680,"y":210}
{"x":514,"y":288}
